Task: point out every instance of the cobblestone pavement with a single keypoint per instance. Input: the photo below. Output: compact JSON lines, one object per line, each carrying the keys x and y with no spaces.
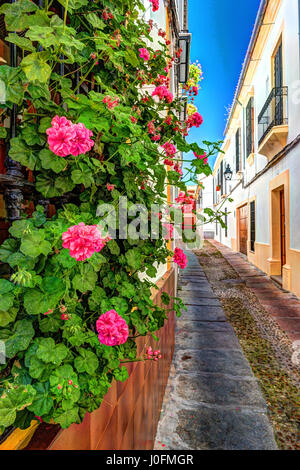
{"x":212,"y":399}
{"x":283,"y":306}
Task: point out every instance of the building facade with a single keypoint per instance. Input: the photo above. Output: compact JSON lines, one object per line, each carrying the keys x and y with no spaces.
{"x":260,"y":167}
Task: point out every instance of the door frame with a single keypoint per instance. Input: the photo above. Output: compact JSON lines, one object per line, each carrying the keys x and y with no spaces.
{"x":240,"y":206}
{"x":275,"y":268}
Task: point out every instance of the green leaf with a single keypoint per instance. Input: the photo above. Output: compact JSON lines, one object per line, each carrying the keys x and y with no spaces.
{"x":20,"y":152}
{"x":73,"y":4}
{"x":134,"y":258}
{"x":13,"y":400}
{"x":53,"y":285}
{"x":83,"y":175}
{"x":41,"y":301}
{"x":15,"y":14}
{"x":14,"y":90}
{"x":131,"y":58}
{"x":151,"y":271}
{"x":96,"y":297}
{"x":5,"y":286}
{"x":35,"y":67}
{"x":45,"y":123}
{"x":119,"y":304}
{"x":66,"y":418}
{"x":53,"y":186}
{"x":95,"y":21}
{"x":3,"y":132}
{"x":65,"y":259}
{"x":50,"y":324}
{"x":42,"y":402}
{"x":31,"y":136}
{"x":64,"y":383}
{"x":20,"y":338}
{"x":48,"y":351}
{"x":7,"y":249}
{"x":39,"y":90}
{"x":8,"y":317}
{"x":165,"y":298}
{"x":42,"y":34}
{"x":86,"y":280}
{"x":21,"y":228}
{"x":21,"y":42}
{"x":96,"y":261}
{"x":113,"y":247}
{"x":33,"y":245}
{"x":86,"y":362}
{"x":6,"y":301}
{"x":121,"y":374}
{"x":127,"y":290}
{"x":50,"y":161}
{"x":38,"y":369}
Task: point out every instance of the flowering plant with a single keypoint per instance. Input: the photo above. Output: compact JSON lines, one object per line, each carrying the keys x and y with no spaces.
{"x":72,"y":301}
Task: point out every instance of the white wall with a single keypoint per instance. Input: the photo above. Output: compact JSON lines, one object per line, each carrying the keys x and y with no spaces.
{"x":287,"y":23}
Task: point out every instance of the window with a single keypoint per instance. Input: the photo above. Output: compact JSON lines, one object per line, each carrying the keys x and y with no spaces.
{"x":238,"y":150}
{"x":249,"y":127}
{"x":221,"y":177}
{"x":226,"y":222}
{"x":252,"y":226}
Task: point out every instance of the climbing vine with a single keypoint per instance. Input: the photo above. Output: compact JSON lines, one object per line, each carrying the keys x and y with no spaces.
{"x":72,"y":301}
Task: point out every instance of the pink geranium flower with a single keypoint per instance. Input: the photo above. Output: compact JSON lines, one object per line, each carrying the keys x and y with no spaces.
{"x":180,"y":258}
{"x":194,"y":120}
{"x":133,"y":119}
{"x":202,"y":157}
{"x":111,"y":104}
{"x":178,"y":169}
{"x":110,"y":187}
{"x":66,"y":138}
{"x":48,"y":313}
{"x":151,"y":127}
{"x":112,"y":329}
{"x":163,"y":93}
{"x":155,"y":4}
{"x":170,"y":149}
{"x":144,"y":53}
{"x":83,"y":241}
{"x":168,"y":162}
{"x":169,"y":228}
{"x":82,"y":142}
{"x":182,"y":198}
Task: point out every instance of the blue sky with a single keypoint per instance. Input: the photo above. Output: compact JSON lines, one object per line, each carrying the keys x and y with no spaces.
{"x":221,"y":31}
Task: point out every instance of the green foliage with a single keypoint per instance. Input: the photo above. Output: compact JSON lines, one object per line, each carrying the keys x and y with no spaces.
{"x":56,"y":368}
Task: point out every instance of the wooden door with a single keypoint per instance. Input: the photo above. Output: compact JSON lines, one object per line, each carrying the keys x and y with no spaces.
{"x":243,"y":228}
{"x":282,"y":229}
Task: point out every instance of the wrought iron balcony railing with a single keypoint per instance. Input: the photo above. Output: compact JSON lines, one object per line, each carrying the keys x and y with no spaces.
{"x":274,"y":112}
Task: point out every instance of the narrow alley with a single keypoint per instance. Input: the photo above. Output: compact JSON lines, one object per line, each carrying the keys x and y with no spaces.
{"x":218,"y":400}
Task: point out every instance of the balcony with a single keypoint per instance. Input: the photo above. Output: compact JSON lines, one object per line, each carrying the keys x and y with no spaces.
{"x":273,"y":123}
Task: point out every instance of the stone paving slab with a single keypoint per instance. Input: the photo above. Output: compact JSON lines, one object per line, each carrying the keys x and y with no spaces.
{"x":206,"y":313}
{"x":190,"y":299}
{"x":217,"y":428}
{"x":220,"y":390}
{"x":212,"y":399}
{"x":199,"y":326}
{"x":215,"y":361}
{"x":205,"y":339}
